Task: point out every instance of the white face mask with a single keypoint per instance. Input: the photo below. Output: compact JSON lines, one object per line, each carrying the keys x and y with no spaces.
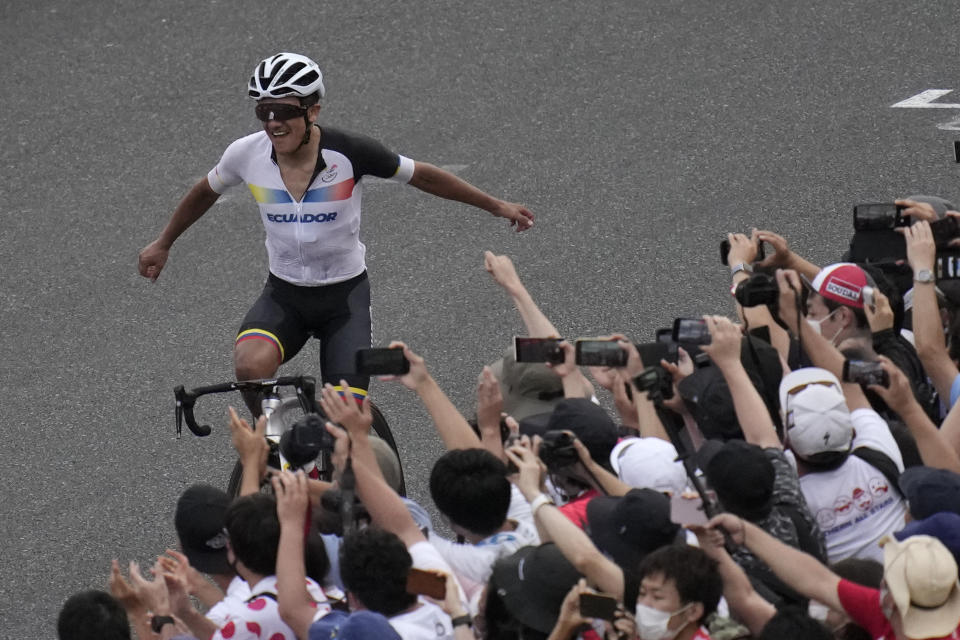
{"x":652,"y":623}
{"x":817,"y":325}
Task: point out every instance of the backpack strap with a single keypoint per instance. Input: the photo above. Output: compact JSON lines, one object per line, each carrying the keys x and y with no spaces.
{"x":882,"y":463}
{"x":807,"y":541}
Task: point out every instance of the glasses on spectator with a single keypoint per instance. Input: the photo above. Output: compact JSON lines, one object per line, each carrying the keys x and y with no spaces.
{"x":279,"y":111}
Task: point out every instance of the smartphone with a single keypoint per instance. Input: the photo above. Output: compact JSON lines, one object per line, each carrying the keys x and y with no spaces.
{"x":537,"y":350}
{"x":427,"y":583}
{"x":865,"y":373}
{"x":665,"y":335}
{"x":725,"y":252}
{"x":944,"y":230}
{"x":381,"y":362}
{"x":596,"y":605}
{"x":881,"y":215}
{"x":686,"y":510}
{"x":868,"y":297}
{"x":691,"y":331}
{"x":600,"y":353}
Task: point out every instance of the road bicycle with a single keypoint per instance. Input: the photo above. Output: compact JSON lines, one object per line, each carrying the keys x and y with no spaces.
{"x":282,"y":410}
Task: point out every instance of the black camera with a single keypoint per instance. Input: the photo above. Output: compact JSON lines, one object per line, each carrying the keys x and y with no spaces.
{"x":944,"y":230}
{"x":656,"y":382}
{"x":304,"y":441}
{"x":557,"y":450}
{"x":725,"y":252}
{"x":759,"y":289}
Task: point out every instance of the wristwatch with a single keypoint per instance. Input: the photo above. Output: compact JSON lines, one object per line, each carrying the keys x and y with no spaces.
{"x":157,"y":622}
{"x":465,"y":619}
{"x":743,"y":266}
{"x":924,"y":276}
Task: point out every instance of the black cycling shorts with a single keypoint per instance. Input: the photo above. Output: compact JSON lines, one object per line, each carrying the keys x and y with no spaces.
{"x":337,"y":314}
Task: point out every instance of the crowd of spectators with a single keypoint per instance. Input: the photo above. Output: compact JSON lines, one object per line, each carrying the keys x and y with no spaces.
{"x":794,"y":474}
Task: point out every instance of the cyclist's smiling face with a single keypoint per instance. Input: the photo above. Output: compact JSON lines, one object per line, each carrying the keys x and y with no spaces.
{"x":285,"y":132}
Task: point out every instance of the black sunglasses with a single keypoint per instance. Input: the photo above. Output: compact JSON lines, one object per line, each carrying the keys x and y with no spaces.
{"x":279,"y":111}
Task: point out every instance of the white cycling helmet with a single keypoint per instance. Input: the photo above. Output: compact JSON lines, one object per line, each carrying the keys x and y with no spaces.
{"x":286,"y":74}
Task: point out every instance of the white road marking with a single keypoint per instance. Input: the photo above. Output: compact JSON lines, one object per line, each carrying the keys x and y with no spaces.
{"x":950,"y":125}
{"x":925,"y":100}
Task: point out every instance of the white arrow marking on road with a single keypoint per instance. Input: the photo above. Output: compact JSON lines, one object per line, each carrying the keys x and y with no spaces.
{"x":925,"y":100}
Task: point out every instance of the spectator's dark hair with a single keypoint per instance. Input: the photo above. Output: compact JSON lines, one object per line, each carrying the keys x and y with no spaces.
{"x":374,"y":565}
{"x":859,"y":314}
{"x":694,"y":574}
{"x":470,"y":487}
{"x":792,"y":624}
{"x":92,"y":615}
{"x":868,"y":573}
{"x":254,"y":532}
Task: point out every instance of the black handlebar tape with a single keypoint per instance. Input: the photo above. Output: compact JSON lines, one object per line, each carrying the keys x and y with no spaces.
{"x":185,"y":402}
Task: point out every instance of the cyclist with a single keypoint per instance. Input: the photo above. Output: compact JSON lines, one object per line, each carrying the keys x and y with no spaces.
{"x":307,"y":181}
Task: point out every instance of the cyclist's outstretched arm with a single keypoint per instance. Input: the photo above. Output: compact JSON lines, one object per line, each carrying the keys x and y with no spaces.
{"x":453,"y":428}
{"x":442,"y":183}
{"x":504,"y":274}
{"x":196,"y":203}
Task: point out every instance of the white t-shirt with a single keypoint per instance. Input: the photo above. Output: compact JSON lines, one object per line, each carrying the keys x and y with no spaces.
{"x":854,"y":504}
{"x":427,"y":621}
{"x":259,"y":617}
{"x":473,"y":564}
{"x":233,"y":602}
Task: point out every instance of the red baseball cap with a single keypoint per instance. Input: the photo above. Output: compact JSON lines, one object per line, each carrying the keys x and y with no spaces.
{"x":843,"y":283}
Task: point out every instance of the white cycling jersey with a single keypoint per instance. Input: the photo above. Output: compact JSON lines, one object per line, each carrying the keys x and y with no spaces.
{"x":314,"y":241}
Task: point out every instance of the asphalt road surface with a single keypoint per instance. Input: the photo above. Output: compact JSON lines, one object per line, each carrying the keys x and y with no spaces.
{"x":638,"y":132}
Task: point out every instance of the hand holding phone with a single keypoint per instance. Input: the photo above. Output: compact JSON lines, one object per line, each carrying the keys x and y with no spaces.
{"x":687,"y":510}
{"x":865,"y":373}
{"x":878,"y":216}
{"x":691,"y":331}
{"x":427,"y":583}
{"x":600,"y":353}
{"x":537,"y":350}
{"x":597,"y":605}
{"x":381,"y":362}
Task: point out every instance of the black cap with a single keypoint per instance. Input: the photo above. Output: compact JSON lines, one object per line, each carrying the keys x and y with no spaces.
{"x":200,"y":522}
{"x":627,"y":528}
{"x":590,"y":423}
{"x":532,"y":584}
